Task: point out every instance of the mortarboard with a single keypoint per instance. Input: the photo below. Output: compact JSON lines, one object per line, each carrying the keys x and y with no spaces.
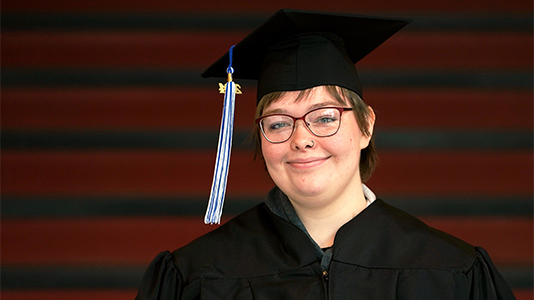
{"x":293,"y":50}
{"x":296,"y":50}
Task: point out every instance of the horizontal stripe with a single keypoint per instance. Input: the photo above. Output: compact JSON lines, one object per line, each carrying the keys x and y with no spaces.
{"x":79,"y":277}
{"x":244,"y":6}
{"x":103,"y":77}
{"x":37,"y":207}
{"x":15,"y":77}
{"x":128,"y":294}
{"x":198,"y":49}
{"x":132,"y":240}
{"x":385,"y":139}
{"x":462,"y":139}
{"x":189,"y":172}
{"x":244,"y":21}
{"x":75,"y":277}
{"x":175,"y":108}
{"x":70,"y":294}
{"x":118,"y":140}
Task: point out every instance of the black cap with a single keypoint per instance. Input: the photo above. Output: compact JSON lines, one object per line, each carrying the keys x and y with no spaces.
{"x":297,"y":50}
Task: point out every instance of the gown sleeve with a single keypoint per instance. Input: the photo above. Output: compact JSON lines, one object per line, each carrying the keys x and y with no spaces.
{"x":162,"y":280}
{"x":485,"y":280}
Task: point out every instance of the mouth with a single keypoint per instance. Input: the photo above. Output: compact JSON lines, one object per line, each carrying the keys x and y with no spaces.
{"x":306,"y":163}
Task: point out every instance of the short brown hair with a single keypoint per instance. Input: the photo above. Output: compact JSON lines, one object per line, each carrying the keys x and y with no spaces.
{"x":362,"y":112}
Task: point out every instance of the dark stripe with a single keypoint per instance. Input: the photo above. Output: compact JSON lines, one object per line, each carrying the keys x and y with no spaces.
{"x":458,"y":206}
{"x":130,"y":21}
{"x":110,"y":206}
{"x":470,"y":21}
{"x":13,"y":77}
{"x":71,"y":277}
{"x":118,"y":140}
{"x":386,"y":139}
{"x":518,"y":277}
{"x":453,"y":139}
{"x":19,"y":77}
{"x":29,"y":207}
{"x":236,"y":21}
{"x":82,"y":277}
{"x":465,"y":79}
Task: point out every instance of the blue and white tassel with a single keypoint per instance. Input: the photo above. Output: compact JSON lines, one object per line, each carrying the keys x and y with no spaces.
{"x":220,"y":176}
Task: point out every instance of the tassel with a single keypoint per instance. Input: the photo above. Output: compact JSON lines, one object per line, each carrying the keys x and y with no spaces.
{"x":220,"y":176}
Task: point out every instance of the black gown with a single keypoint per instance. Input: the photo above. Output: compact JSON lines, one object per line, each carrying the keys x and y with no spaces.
{"x":383,"y":253}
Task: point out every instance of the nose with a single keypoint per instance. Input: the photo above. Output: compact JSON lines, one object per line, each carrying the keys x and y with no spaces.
{"x":302,"y":137}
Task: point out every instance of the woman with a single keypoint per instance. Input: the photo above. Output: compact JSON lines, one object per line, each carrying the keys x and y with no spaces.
{"x":321,"y":233}
{"x":316,"y":161}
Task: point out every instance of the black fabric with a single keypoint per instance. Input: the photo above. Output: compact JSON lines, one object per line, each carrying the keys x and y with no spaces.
{"x":305,"y":61}
{"x":383,"y":253}
{"x":279,"y":204}
{"x":297,"y":50}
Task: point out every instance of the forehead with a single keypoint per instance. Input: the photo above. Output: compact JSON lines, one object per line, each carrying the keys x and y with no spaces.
{"x":305,"y":98}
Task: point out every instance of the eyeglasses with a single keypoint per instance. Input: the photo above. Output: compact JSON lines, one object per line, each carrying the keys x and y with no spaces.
{"x":322,"y":122}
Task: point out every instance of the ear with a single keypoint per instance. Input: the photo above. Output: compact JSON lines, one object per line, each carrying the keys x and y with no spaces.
{"x":366,"y":139}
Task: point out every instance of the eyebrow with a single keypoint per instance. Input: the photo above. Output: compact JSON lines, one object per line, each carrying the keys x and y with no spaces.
{"x":316,"y":105}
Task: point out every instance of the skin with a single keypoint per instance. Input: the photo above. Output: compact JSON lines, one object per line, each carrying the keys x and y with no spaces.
{"x":320,"y":175}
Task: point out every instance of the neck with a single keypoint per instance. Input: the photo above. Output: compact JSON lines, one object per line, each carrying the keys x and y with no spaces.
{"x":323,"y":222}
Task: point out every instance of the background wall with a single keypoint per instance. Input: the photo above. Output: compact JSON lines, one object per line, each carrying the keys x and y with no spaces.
{"x":109,"y":133}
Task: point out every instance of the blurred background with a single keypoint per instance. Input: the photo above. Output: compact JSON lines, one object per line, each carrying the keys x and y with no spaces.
{"x":109,"y":134}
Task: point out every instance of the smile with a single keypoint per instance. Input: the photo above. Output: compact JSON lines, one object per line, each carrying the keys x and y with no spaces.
{"x":307,"y":162}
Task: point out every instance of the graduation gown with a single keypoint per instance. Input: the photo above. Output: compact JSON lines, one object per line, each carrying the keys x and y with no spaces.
{"x":383,"y":253}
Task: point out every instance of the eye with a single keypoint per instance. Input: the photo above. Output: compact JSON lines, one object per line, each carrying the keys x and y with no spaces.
{"x":278,"y":125}
{"x":325,"y":119}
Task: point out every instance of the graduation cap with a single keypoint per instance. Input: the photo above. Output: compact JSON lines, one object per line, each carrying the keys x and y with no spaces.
{"x":296,"y":50}
{"x":293,"y":50}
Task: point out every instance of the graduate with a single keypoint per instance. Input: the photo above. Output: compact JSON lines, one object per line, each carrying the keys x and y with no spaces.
{"x":321,"y":232}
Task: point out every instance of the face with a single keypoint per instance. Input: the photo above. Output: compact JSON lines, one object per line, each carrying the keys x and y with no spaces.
{"x":311,"y":170}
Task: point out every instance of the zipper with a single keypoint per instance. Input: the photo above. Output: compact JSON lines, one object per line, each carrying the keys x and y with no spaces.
{"x":326,"y":277}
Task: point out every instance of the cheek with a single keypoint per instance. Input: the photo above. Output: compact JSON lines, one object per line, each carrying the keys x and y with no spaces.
{"x":271,"y":153}
{"x":344,"y":141}
{"x":354,"y":137}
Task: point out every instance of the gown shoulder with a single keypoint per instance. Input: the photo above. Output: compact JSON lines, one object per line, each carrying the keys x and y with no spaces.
{"x":162,"y":279}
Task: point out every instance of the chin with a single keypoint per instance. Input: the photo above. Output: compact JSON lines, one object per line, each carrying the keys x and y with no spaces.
{"x":308,"y":191}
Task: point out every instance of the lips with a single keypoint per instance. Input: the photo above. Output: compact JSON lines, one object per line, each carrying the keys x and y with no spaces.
{"x":304,"y":163}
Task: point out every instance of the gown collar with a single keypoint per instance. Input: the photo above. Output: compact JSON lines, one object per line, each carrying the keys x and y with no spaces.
{"x":280,"y":205}
{"x":382,"y":236}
